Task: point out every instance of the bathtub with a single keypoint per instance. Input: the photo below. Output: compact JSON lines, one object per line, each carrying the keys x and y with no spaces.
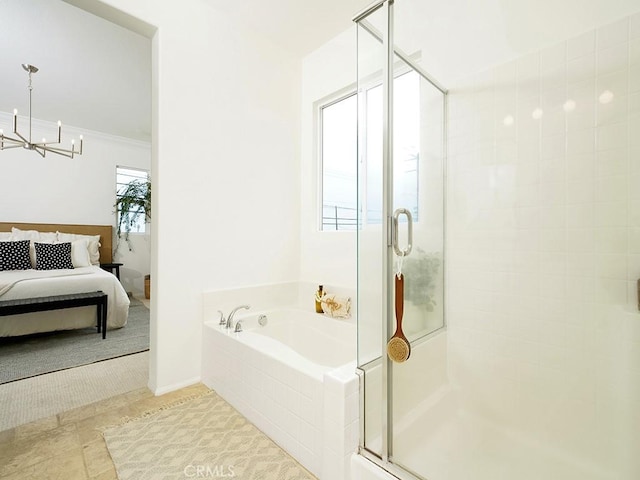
{"x":295,"y":379}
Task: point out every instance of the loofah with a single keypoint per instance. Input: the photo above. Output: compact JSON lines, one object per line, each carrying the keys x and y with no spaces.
{"x":398,"y":349}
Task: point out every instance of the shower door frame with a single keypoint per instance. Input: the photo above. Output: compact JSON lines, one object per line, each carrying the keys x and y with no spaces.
{"x":385,"y":459}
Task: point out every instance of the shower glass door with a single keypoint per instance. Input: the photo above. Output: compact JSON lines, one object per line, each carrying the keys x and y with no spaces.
{"x":401,"y":152}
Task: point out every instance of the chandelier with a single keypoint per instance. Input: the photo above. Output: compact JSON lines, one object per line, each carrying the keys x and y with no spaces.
{"x":25,"y":142}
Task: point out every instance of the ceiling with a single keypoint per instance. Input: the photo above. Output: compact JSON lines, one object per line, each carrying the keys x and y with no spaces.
{"x":93,"y":74}
{"x":310,"y":22}
{"x":96,"y":75}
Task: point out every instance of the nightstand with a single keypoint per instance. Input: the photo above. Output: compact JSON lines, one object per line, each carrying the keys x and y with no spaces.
{"x":111,"y":267}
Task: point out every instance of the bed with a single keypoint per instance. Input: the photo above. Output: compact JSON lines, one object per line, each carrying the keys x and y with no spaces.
{"x":85,"y":277}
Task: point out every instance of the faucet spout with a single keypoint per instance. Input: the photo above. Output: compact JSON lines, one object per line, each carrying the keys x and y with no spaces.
{"x":233,"y":312}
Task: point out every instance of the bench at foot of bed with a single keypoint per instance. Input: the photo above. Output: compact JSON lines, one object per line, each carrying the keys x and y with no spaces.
{"x":57,"y":302}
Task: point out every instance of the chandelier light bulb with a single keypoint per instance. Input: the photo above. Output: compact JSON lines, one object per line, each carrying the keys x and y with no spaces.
{"x":59,"y":123}
{"x":15,"y":111}
{"x":73,"y":141}
{"x":80,"y":137}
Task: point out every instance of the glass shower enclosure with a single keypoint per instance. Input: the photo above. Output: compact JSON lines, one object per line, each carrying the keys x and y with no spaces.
{"x":401,"y":173}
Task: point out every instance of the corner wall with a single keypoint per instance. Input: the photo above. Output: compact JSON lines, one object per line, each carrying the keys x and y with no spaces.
{"x":225,"y":172}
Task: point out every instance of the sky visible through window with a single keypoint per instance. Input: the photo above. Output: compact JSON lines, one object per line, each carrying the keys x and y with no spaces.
{"x":340,"y":155}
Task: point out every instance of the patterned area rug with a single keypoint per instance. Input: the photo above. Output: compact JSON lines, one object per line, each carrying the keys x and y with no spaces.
{"x":31,"y":355}
{"x":204,"y":437}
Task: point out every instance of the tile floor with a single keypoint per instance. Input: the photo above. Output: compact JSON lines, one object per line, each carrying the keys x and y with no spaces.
{"x":69,"y":445}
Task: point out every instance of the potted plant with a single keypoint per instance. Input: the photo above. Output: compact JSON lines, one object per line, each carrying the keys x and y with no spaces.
{"x":132,"y":202}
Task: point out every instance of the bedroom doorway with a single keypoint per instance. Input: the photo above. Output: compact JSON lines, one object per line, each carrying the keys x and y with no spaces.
{"x":92,"y":176}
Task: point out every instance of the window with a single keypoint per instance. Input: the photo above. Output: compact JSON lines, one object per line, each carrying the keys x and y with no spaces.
{"x":339,"y":154}
{"x":132,"y":199}
{"x":339,"y":122}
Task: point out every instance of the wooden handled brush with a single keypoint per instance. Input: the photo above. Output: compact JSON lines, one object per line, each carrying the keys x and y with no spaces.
{"x":398,"y":347}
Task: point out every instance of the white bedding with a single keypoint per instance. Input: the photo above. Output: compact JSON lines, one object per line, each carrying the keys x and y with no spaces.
{"x":38,"y":284}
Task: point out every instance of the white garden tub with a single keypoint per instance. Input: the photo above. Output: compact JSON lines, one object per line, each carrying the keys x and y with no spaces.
{"x":294,"y":378}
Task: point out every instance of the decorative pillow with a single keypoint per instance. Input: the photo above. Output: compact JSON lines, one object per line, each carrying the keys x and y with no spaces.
{"x":34,"y":236}
{"x":93,"y":242}
{"x":53,"y":256}
{"x":80,"y":254}
{"x":15,"y":255}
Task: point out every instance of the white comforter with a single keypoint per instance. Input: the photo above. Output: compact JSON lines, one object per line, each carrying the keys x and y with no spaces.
{"x":32,"y":283}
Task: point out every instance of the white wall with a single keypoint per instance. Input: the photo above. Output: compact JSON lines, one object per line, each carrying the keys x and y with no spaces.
{"x":225,"y":171}
{"x":57,"y":189}
{"x":327,"y":258}
{"x":544,"y":237}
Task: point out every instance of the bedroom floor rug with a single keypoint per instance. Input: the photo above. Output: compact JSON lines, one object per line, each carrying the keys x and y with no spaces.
{"x":31,"y":355}
{"x":205,"y":435}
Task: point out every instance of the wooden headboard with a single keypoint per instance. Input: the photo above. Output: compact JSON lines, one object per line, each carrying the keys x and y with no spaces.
{"x":105,"y":232}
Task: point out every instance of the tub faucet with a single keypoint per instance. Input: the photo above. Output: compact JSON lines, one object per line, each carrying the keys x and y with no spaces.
{"x":233,"y":312}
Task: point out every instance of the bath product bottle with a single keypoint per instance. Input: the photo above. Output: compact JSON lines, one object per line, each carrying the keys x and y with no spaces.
{"x":319,"y":295}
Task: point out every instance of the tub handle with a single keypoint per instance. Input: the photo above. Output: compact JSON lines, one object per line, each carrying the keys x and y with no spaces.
{"x":222,"y":321}
{"x":262,"y":320}
{"x":238,"y":328}
{"x":396,"y":217}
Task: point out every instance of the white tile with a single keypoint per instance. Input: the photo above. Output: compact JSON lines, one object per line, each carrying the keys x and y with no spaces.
{"x":580,"y":216}
{"x":613,"y":34}
{"x":553,"y":240}
{"x":581,"y":191}
{"x":616,"y":82}
{"x":580,"y":265}
{"x":553,"y":146}
{"x":552,"y":193}
{"x":554,"y":57}
{"x":528,"y":66}
{"x":611,"y":136}
{"x":553,"y":169}
{"x":634,"y":52}
{"x":611,"y":189}
{"x":581,"y":45}
{"x":611,"y":162}
{"x":611,"y":240}
{"x":611,"y":214}
{"x":634,"y":103}
{"x":581,"y":167}
{"x":581,"y":142}
{"x":581,"y":68}
{"x":611,"y":291}
{"x":612,"y":266}
{"x":634,"y":240}
{"x":580,"y":240}
{"x":634,"y":78}
{"x":634,"y":127}
{"x":613,"y":59}
{"x":553,"y":123}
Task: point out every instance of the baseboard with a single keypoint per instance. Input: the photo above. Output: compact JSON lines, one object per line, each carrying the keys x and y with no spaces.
{"x":176,"y":386}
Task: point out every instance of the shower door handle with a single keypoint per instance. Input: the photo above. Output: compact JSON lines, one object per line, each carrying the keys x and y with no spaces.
{"x":394,"y":241}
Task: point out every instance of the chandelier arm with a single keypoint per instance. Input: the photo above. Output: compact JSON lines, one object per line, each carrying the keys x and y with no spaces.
{"x":9,"y":147}
{"x":40,"y":151}
{"x":61,"y":151}
{"x":24,"y":140}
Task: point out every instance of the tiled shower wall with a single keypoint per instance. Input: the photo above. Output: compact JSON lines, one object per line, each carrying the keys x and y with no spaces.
{"x":544,"y":244}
